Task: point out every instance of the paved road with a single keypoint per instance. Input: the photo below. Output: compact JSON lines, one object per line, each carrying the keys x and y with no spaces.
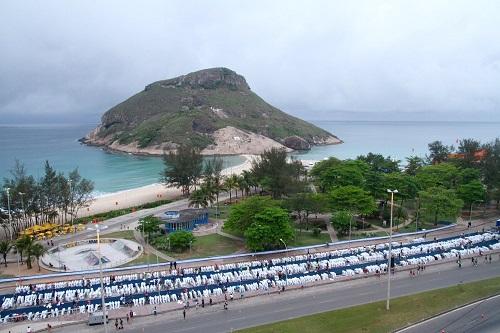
{"x":481,"y":317}
{"x":267,"y":309}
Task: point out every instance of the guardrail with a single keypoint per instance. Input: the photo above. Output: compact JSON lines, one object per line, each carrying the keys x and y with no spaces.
{"x":230,"y":256}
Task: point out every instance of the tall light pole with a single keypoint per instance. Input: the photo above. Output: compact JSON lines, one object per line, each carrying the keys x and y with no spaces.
{"x":103,"y":300}
{"x":71,"y":199}
{"x":389,"y":257}
{"x":10,"y":216}
{"x":22,"y":206}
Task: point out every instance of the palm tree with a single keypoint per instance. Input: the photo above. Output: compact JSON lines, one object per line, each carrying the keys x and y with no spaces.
{"x":230,"y":183}
{"x":38,"y":251}
{"x":5,"y":247}
{"x":242,"y":185}
{"x":202,"y":197}
{"x":25,"y":244}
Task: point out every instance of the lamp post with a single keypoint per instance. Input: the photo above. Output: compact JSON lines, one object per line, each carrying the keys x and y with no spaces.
{"x":22,"y":206}
{"x":71,"y":199}
{"x":470,"y":211}
{"x":10,"y":216}
{"x":286,"y":249}
{"x":389,"y":257}
{"x":97,"y":229}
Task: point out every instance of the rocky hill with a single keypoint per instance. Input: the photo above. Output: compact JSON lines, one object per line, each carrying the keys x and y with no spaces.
{"x":213,"y":109}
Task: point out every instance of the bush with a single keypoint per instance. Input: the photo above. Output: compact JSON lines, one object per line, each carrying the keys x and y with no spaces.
{"x":316,"y":232}
{"x":180,"y":240}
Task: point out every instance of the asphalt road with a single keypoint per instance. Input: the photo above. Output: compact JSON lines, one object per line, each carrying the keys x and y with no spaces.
{"x":481,"y":317}
{"x":267,"y":309}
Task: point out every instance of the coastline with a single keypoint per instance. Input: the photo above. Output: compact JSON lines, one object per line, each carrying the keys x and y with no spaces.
{"x":148,"y":193}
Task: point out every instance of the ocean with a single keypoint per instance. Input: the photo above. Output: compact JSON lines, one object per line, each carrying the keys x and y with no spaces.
{"x":112,"y":172}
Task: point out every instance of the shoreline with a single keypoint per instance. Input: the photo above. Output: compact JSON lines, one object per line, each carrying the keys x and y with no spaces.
{"x":148,"y":193}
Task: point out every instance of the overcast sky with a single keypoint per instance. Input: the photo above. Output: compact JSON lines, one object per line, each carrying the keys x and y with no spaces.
{"x":73,"y":60}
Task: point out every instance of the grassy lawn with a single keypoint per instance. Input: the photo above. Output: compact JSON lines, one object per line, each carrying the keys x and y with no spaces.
{"x":125,"y":234}
{"x":236,"y":233}
{"x":208,"y":246}
{"x":144,"y":259}
{"x":6,"y":276}
{"x":373,"y":317}
{"x":306,"y":238}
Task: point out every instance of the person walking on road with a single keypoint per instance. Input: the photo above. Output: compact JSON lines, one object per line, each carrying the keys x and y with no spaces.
{"x":184,"y":313}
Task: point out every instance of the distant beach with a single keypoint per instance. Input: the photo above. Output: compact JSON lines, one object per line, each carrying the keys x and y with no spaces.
{"x":149,"y":193}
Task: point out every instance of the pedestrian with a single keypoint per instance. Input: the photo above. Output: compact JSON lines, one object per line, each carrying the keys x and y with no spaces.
{"x":184,"y":313}
{"x":128,"y":318}
{"x":210,"y":301}
{"x":28,"y":330}
{"x":202,"y":302}
{"x":459,"y":263}
{"x":489,"y":258}
{"x":116,"y":323}
{"x":225,"y":305}
{"x":121,"y":323}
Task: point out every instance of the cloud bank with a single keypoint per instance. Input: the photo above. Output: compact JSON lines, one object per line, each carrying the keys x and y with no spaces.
{"x":71,"y":61}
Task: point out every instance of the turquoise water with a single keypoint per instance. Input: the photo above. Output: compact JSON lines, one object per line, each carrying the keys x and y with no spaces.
{"x":397,"y":139}
{"x":113,"y":172}
{"x":110,"y":172}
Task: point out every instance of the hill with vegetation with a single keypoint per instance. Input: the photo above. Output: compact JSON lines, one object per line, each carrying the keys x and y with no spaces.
{"x":213,"y":109}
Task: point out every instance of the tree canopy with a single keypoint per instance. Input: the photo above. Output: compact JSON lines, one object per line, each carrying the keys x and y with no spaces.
{"x":183,"y":168}
{"x":270,"y":226}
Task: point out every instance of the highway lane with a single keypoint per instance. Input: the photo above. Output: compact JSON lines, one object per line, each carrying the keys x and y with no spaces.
{"x":268,"y":309}
{"x":479,"y":317}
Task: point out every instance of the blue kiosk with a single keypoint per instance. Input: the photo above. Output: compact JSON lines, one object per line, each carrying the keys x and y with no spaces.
{"x":186,"y":219}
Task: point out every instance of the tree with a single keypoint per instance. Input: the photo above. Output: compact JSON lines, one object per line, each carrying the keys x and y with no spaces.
{"x":230,"y":184}
{"x":406,"y":185}
{"x":343,"y":174}
{"x":276,"y":175}
{"x":471,"y":192}
{"x":306,"y":203}
{"x":25,"y":245}
{"x":413,"y":165}
{"x":80,"y":192}
{"x":242,"y":214}
{"x":352,"y":199}
{"x":149,"y":225}
{"x":439,"y":202}
{"x":438,"y":152}
{"x":468,"y":147}
{"x":270,"y":226}
{"x":491,"y":169}
{"x":379,"y":163}
{"x":202,"y":197}
{"x":38,"y":251}
{"x":5,"y":247}
{"x":181,"y":240}
{"x":214,"y":180}
{"x":341,"y":220}
{"x":183,"y":168}
{"x":445,"y":175}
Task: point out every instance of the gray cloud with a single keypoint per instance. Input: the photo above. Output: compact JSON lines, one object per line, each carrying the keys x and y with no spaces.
{"x":317,"y":60}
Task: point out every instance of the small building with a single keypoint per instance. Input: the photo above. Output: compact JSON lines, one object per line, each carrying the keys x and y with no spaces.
{"x":186,"y":219}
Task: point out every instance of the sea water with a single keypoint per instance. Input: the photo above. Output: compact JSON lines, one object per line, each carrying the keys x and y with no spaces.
{"x":112,"y":172}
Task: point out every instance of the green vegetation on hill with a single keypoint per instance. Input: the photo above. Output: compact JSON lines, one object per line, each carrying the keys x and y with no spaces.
{"x":189,"y":108}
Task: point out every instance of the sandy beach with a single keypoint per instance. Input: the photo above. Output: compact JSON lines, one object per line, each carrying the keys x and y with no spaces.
{"x":148,"y":193}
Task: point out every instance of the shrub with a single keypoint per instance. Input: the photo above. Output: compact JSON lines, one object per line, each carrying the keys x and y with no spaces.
{"x":316,"y":232}
{"x":180,"y":240}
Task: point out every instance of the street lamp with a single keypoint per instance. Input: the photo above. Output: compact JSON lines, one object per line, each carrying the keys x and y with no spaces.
{"x":389,"y":257}
{"x":470,"y":211}
{"x":97,"y":229}
{"x":71,"y":199}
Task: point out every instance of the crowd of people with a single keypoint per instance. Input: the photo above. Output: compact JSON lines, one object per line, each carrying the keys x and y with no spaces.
{"x":200,"y":284}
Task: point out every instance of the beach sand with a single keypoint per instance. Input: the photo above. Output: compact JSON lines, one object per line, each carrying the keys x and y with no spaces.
{"x":148,"y":193}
